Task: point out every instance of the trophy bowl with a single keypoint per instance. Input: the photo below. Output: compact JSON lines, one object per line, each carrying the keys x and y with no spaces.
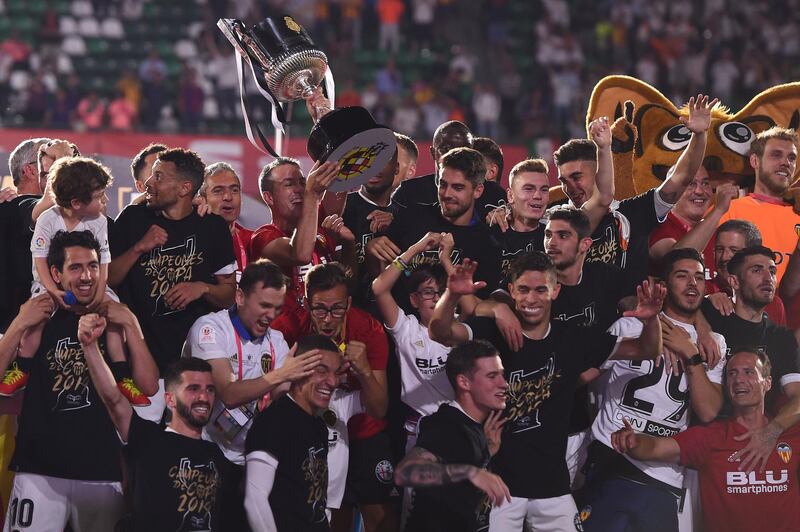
{"x":289,"y":62}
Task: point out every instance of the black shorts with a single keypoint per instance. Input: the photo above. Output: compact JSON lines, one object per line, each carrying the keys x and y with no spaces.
{"x":370,"y":473}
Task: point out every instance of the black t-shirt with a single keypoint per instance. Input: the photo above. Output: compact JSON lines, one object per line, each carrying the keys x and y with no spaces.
{"x":622,"y":237}
{"x":473,"y":241}
{"x":196,"y":248}
{"x":591,"y":302}
{"x":423,"y":191}
{"x":64,"y":428}
{"x":176,"y":479}
{"x":459,"y":507}
{"x":777,"y":341}
{"x":514,"y":243}
{"x":355,"y":218}
{"x":15,"y":256}
{"x":542,"y":377}
{"x":300,"y":444}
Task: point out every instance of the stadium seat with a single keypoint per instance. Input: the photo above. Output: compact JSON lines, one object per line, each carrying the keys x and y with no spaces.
{"x":74,"y":45}
{"x":89,"y":27}
{"x":67,"y":26}
{"x":112,"y":28}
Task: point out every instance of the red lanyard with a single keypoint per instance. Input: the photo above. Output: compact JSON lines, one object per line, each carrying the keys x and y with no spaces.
{"x":241,"y":354}
{"x":240,"y":250}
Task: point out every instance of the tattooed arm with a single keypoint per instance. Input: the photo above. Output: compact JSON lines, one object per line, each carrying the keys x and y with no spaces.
{"x":421,"y":468}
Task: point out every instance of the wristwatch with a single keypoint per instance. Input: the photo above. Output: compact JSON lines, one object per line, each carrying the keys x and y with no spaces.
{"x":696,"y":360}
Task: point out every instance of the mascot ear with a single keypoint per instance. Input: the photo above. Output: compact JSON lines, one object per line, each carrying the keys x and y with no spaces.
{"x":610,"y":95}
{"x":660,"y":130}
{"x":776,"y":106}
{"x":780,"y":103}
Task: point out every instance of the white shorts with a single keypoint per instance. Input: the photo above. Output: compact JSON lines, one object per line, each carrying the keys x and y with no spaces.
{"x":691,"y":517}
{"x":47,"y":504}
{"x":158,"y":403}
{"x":577,"y":452}
{"x":557,"y":514}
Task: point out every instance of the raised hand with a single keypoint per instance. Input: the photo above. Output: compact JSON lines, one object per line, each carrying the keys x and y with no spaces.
{"x":298,"y":367}
{"x":335,"y":224}
{"x":90,"y":328}
{"x":649,"y":299}
{"x":726,"y":192}
{"x":355,"y":355}
{"x":493,"y":429}
{"x":428,"y":241}
{"x":699,"y":119}
{"x":320,"y":178}
{"x":460,"y":283}
{"x":600,"y":132}
{"x":154,"y":237}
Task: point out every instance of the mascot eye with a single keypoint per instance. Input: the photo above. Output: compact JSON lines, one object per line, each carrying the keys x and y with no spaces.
{"x":736,"y":136}
{"x":676,"y":138}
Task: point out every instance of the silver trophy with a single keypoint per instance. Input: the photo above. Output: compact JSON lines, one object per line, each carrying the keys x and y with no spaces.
{"x":285,"y":63}
{"x":286,"y":67}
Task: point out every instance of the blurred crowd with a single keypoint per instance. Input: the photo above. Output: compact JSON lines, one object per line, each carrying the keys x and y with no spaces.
{"x":513,"y":70}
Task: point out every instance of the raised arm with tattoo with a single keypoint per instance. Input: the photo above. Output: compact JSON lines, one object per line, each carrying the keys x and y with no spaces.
{"x":421,"y":468}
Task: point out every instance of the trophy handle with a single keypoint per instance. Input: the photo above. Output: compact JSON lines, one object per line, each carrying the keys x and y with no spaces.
{"x":307,"y":91}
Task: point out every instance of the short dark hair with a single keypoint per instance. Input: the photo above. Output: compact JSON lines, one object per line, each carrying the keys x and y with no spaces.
{"x":324,"y":277}
{"x":766,"y":363}
{"x":264,"y":181}
{"x":468,"y":161}
{"x":669,"y":260}
{"x":315,"y":341}
{"x":746,"y":228}
{"x":426,"y":272}
{"x":188,"y":165}
{"x":62,"y":240}
{"x":77,"y":178}
{"x":461,"y":359}
{"x":737,"y":261}
{"x":576,"y":218}
{"x":137,"y":165}
{"x":491,"y":150}
{"x":575,"y":150}
{"x":262,"y":271}
{"x":531,"y":261}
{"x":451,"y":127}
{"x":407,"y":143}
{"x":173,"y":375}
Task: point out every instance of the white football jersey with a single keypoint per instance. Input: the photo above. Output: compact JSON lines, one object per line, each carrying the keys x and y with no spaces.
{"x":212,"y":336}
{"x":424,"y":384}
{"x":343,"y":406}
{"x":653,"y":400}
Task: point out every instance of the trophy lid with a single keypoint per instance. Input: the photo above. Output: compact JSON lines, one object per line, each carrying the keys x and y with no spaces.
{"x":277,"y":35}
{"x":350,"y":136}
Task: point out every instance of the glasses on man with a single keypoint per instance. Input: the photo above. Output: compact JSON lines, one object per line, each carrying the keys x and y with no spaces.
{"x":429,"y":293}
{"x":321,"y":312}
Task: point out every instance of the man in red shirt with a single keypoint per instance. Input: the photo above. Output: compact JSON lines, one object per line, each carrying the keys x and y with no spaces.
{"x":295,"y":240}
{"x":328,"y":311}
{"x":733,"y":500}
{"x":222,"y":192}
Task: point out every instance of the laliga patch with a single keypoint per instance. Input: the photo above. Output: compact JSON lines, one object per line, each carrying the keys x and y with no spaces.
{"x":384,"y":471}
{"x":39,"y":243}
{"x":207,"y":335}
{"x":784,"y":451}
